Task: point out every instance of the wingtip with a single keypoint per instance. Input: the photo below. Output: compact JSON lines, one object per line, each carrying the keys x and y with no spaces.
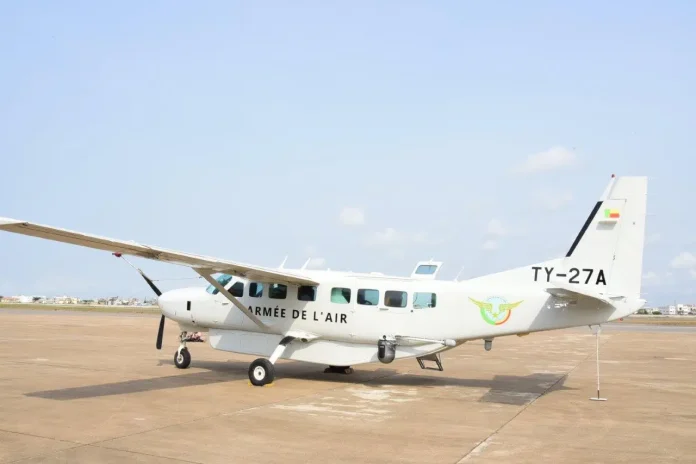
{"x":8,"y":221}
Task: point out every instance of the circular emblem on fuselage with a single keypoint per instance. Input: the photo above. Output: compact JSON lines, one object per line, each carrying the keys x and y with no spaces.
{"x":495,"y":310}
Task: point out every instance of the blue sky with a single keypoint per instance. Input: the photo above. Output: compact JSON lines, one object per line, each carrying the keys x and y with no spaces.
{"x":243,"y":129}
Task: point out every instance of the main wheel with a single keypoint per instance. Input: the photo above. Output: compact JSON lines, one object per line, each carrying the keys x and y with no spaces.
{"x":261,"y":372}
{"x":182,"y":359}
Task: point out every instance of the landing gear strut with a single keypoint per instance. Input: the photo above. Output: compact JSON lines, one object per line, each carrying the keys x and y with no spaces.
{"x":182,"y":357}
{"x":261,"y":371}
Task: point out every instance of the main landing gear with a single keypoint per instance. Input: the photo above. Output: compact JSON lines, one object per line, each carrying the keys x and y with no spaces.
{"x":261,"y":371}
{"x":338,"y":370}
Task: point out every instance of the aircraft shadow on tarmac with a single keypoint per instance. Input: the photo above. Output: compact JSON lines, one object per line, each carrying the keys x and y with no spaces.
{"x":502,"y":389}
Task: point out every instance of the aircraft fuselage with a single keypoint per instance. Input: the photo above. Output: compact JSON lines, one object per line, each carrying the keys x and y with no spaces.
{"x":462,"y":311}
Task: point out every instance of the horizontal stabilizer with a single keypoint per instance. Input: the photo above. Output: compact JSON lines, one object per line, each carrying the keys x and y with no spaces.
{"x":568,"y":292}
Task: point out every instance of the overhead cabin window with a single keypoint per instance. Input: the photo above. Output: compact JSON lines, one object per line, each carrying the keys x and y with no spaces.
{"x":237,"y":289}
{"x":306,"y":293}
{"x":278,"y":291}
{"x":395,"y":299}
{"x":255,"y":290}
{"x":223,"y":279}
{"x":426,"y":269}
{"x":424,"y":300}
{"x":340,"y":295}
{"x":368,"y":297}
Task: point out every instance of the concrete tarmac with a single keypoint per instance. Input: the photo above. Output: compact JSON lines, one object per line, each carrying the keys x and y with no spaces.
{"x":93,"y":388}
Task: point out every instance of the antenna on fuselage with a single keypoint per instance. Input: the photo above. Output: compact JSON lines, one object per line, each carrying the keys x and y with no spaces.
{"x":283,"y":263}
{"x":306,"y":263}
{"x":458,"y":273}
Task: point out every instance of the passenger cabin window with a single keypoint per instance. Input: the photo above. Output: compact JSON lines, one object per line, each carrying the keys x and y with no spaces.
{"x":340,"y":295}
{"x":223,"y":279}
{"x":368,"y":297}
{"x":237,"y":289}
{"x":395,"y":299}
{"x":255,"y":290}
{"x":278,"y":291}
{"x":426,"y":269}
{"x":306,"y":293}
{"x":424,"y":300}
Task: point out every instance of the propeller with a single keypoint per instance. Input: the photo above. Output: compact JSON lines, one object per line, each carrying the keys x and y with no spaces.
{"x":160,"y":332}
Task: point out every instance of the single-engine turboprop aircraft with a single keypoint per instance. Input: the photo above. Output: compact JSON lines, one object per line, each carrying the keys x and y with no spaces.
{"x":344,"y":318}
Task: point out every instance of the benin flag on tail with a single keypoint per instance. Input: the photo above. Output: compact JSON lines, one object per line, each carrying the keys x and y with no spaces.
{"x":611,"y":213}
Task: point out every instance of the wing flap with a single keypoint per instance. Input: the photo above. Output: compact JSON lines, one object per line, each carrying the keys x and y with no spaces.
{"x":258,"y":273}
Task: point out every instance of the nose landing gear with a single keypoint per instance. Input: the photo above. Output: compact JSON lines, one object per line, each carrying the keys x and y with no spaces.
{"x":182,"y":357}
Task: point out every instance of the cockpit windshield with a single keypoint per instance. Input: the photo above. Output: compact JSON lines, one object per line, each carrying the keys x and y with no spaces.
{"x":223,"y":279}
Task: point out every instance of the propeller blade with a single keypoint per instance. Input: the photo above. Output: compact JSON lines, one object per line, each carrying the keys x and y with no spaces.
{"x":160,"y":333}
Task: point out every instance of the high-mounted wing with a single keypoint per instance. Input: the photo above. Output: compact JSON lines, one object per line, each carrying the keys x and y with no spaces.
{"x":257,"y":273}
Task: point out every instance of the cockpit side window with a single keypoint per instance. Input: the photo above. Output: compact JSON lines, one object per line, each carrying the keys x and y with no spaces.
{"x":237,"y":289}
{"x":255,"y":289}
{"x":223,"y":279}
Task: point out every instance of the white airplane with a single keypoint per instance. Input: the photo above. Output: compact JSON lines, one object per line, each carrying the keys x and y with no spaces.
{"x":344,"y":318}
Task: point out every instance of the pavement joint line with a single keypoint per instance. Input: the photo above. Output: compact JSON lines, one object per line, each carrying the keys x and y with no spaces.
{"x":40,"y":436}
{"x":55,"y":452}
{"x":44,"y":455}
{"x":482,"y":443}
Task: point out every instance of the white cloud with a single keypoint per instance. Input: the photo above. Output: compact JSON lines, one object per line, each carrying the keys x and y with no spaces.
{"x":495,"y":228}
{"x":549,"y":160}
{"x":556,"y":200}
{"x":352,"y":216}
{"x":683,"y":260}
{"x":490,"y":245}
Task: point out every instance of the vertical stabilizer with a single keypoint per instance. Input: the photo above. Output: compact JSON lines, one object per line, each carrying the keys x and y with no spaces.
{"x":607,"y":254}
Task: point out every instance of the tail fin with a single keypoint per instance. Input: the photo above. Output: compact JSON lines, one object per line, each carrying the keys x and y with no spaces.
{"x":607,"y":254}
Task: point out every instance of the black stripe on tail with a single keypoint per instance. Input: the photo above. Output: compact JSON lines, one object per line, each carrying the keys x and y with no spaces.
{"x":584,"y":228}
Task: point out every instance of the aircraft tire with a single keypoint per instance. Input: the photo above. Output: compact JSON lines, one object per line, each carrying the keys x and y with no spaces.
{"x":261,"y":372}
{"x":183,"y":361}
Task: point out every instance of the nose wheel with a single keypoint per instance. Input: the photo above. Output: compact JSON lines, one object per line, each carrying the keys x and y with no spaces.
{"x":182,"y":357}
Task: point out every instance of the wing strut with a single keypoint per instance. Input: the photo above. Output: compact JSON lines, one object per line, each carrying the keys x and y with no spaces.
{"x":207,"y":275}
